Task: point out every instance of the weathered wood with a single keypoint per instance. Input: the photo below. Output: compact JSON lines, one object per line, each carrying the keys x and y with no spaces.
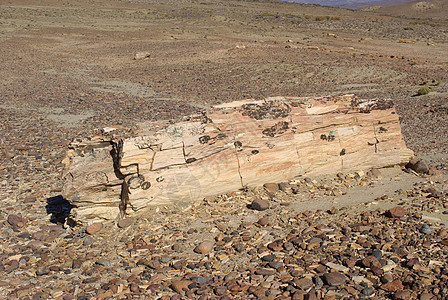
{"x":231,"y":146}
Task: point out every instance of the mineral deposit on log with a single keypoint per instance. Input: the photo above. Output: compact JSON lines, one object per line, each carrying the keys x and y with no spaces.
{"x":229,"y":147}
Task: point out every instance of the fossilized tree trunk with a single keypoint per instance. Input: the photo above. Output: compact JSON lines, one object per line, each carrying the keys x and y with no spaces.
{"x":231,"y":146}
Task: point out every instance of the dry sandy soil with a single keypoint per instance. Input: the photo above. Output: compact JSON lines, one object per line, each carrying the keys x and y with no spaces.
{"x":67,"y":69}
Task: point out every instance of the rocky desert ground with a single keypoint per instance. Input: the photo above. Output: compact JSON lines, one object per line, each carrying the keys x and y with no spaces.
{"x":68,"y":68}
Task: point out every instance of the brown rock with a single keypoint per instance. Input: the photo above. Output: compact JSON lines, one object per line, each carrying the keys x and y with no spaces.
{"x":334,"y":278}
{"x":271,"y":187}
{"x":125,"y":222}
{"x":403,"y":295}
{"x":393,"y":286}
{"x":377,"y":271}
{"x":371,"y":261}
{"x":263,"y":221}
{"x":303,"y":283}
{"x":396,"y":212}
{"x":311,"y":296}
{"x":204,"y":247}
{"x":265,"y":271}
{"x":77,"y":263}
{"x":374,"y":174}
{"x":42,"y":270}
{"x":260,"y":204}
{"x":181,"y":285}
{"x":142,"y":55}
{"x":387,"y":277}
{"x":94,"y":228}
{"x":276,"y":245}
{"x":418,"y":165}
{"x":16,"y":221}
{"x":134,"y":288}
{"x":299,"y":295}
{"x":427,"y":296}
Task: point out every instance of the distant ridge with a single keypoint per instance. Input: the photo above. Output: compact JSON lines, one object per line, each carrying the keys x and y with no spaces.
{"x":435,"y":9}
{"x":381,"y":3}
{"x":352,"y":4}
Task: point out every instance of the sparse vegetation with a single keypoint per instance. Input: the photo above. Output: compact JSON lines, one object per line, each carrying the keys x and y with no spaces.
{"x":424,"y":91}
{"x":425,"y":23}
{"x":266,"y":14}
{"x":436,"y":82}
{"x":323,"y":18}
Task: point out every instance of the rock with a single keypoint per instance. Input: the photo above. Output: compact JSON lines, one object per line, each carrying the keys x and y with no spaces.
{"x":103,"y":262}
{"x":220,"y":290}
{"x":337,"y":267}
{"x":403,"y":295}
{"x":271,"y":188}
{"x":16,"y":221}
{"x":43,"y":270}
{"x":153,"y":263}
{"x":387,"y":277}
{"x":371,"y":261}
{"x":180,"y":285}
{"x":134,"y":288}
{"x":427,"y":296}
{"x":230,"y":276}
{"x":260,"y":204}
{"x":239,"y":247}
{"x":94,"y":228}
{"x":426,"y":229}
{"x":204,"y":247}
{"x":303,"y":283}
{"x":265,"y":271}
{"x":396,"y":212}
{"x":418,"y":166}
{"x":88,"y":240}
{"x":76,"y":263}
{"x":374,"y":174}
{"x":203,"y":280}
{"x":142,"y":55}
{"x":378,"y":271}
{"x":179,"y":264}
{"x":269,"y":258}
{"x":393,"y":286}
{"x":125,"y":222}
{"x":377,"y":254}
{"x":311,"y":296}
{"x":368,"y":291}
{"x":334,"y":278}
{"x":263,"y":221}
{"x":276,"y":264}
{"x":276,"y":245}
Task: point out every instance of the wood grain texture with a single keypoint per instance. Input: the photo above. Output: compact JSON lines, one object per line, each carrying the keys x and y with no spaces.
{"x":231,"y":146}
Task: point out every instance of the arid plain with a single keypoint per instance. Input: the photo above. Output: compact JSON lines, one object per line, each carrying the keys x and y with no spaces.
{"x":68,"y":69}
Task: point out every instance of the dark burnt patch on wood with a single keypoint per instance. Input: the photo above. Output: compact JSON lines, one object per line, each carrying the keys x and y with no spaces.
{"x":267,"y":110}
{"x":277,"y":129}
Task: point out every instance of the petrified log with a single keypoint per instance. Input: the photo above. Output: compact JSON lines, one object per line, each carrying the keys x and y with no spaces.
{"x":231,"y":146}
